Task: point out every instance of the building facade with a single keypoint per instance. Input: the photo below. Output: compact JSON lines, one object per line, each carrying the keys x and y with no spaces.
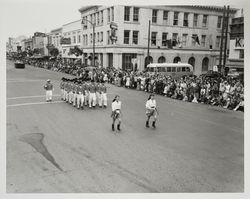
{"x":188,"y":34}
{"x":54,"y":38}
{"x":71,"y":37}
{"x":39,"y":43}
{"x":236,"y":43}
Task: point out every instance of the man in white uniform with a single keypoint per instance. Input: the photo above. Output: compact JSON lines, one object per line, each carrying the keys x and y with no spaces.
{"x":49,"y":88}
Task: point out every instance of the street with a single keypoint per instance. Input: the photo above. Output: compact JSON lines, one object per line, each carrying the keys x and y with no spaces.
{"x":55,"y":148}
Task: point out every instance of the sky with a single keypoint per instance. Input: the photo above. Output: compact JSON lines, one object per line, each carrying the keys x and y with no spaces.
{"x":24,"y":17}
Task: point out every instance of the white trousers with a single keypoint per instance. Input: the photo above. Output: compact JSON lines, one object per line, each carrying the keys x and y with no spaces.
{"x":49,"y":95}
{"x":104,"y":99}
{"x":74,"y":99}
{"x":80,"y":100}
{"x":92,"y":99}
{"x":70,"y":97}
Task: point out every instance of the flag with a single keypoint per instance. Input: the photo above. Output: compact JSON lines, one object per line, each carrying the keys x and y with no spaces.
{"x":196,"y":38}
{"x":169,"y":43}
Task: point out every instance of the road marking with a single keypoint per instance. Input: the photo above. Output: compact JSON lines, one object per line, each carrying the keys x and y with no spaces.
{"x":22,"y":97}
{"x":19,"y":81}
{"x":27,"y":104}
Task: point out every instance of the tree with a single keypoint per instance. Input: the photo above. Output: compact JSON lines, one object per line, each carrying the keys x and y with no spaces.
{"x":54,"y":52}
{"x":76,"y":51}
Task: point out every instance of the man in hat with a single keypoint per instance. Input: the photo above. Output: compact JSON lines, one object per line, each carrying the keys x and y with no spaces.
{"x":151,"y":110}
{"x":62,"y":88}
{"x":92,"y":94}
{"x":104,"y":100}
{"x":80,"y":96}
{"x":49,"y":88}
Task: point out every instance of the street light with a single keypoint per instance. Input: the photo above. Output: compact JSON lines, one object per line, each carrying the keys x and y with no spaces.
{"x":93,"y":25}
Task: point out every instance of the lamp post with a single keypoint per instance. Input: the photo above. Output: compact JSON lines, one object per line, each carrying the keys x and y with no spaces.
{"x":93,"y":25}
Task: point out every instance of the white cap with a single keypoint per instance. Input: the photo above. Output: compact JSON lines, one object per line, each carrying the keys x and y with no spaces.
{"x":48,"y":80}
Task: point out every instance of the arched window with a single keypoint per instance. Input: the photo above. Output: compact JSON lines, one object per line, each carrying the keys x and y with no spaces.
{"x":148,"y":60}
{"x":177,"y":59}
{"x":161,"y":59}
{"x":191,"y":61}
{"x":205,"y":62}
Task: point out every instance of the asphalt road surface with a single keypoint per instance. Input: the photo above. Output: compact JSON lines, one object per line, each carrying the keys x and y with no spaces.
{"x":55,"y":148}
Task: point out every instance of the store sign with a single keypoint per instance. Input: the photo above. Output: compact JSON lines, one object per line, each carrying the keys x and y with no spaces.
{"x":239,"y":43}
{"x":65,"y":41}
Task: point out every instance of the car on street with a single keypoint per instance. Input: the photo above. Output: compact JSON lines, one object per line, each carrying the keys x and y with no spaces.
{"x":19,"y":64}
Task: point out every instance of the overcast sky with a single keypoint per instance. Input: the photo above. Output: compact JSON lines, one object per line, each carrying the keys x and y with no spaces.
{"x":24,"y":17}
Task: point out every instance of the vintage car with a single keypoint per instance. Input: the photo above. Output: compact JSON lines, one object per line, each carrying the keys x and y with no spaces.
{"x":19,"y":64}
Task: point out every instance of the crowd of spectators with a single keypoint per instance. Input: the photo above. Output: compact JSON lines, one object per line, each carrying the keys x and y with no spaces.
{"x":226,"y":92}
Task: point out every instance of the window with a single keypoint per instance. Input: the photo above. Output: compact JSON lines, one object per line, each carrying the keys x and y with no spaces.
{"x":205,"y":64}
{"x":79,"y":38}
{"x":108,"y":14}
{"x":241,"y":55}
{"x":136,"y":14}
{"x":184,"y":40}
{"x":153,"y":38}
{"x":112,"y":14}
{"x":193,"y":39}
{"x":101,"y":37}
{"x":204,"y":21}
{"x":108,"y":37}
{"x":173,"y":69}
{"x":203,"y":40}
{"x":185,"y":20}
{"x":217,"y":44}
{"x":219,"y":21}
{"x":98,"y":37}
{"x":135,"y":37}
{"x":126,"y":13}
{"x":154,"y":16}
{"x":195,"y":20}
{"x":91,"y":38}
{"x":176,"y":15}
{"x":177,"y":59}
{"x":191,"y":61}
{"x":165,"y":17}
{"x":91,"y":18}
{"x":168,"y":69}
{"x":126,"y":36}
{"x":101,"y":17}
{"x":174,"y":39}
{"x":127,"y":61}
{"x":162,"y":60}
{"x":74,"y":39}
{"x":164,"y":39}
{"x":98,"y":19}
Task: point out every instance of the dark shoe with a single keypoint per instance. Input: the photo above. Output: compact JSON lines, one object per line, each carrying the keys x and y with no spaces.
{"x":147,"y":125}
{"x":113,"y":127}
{"x":153,"y":125}
{"x":118,"y":127}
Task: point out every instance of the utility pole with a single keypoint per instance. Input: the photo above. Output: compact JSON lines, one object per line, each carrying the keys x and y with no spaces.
{"x":222,"y":37}
{"x":93,"y":44}
{"x":226,"y":36}
{"x":148,"y":40}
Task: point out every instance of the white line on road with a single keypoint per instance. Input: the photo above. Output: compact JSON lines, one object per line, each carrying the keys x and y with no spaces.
{"x":37,"y":103}
{"x":24,"y":81}
{"x":29,"y":97}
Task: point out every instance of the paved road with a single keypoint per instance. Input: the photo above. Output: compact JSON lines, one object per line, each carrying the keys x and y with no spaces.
{"x":52,"y":147}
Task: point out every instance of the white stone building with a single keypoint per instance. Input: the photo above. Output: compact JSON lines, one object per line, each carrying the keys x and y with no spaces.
{"x":176,"y":25}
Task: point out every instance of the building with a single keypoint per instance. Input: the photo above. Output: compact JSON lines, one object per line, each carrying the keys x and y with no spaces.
{"x":28,"y":44}
{"x":188,"y":34}
{"x":236,"y":43}
{"x":71,"y":38}
{"x":54,"y":38}
{"x":38,"y":42}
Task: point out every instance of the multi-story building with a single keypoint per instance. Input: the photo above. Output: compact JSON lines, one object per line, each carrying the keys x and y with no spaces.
{"x":55,"y":38}
{"x":38,"y":41}
{"x":71,"y":37}
{"x":236,"y":43}
{"x":28,"y":44}
{"x":188,"y":34}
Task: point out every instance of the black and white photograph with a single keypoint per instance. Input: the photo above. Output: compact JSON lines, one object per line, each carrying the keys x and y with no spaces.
{"x":115,"y":97}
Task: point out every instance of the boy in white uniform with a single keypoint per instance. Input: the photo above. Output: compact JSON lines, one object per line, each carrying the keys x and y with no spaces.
{"x":49,"y":88}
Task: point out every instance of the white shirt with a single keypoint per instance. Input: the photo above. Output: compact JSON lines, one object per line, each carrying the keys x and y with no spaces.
{"x":116,"y":105}
{"x":151,"y":104}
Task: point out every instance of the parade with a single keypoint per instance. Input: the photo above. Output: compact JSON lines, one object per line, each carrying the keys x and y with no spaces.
{"x":125,"y":99}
